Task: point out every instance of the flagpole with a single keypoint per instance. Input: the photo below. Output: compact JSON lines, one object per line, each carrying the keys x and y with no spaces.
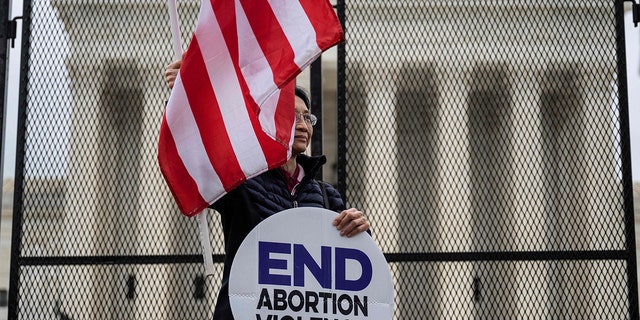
{"x":175,"y":29}
{"x":207,"y":251}
{"x":203,"y":225}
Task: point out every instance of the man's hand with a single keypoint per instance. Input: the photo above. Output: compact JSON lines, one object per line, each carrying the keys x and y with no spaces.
{"x":350,"y":222}
{"x":171,"y":72}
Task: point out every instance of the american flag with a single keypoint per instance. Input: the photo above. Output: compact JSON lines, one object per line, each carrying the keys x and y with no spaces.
{"x":230,"y":115}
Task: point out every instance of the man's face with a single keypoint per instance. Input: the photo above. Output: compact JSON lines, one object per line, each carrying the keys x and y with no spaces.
{"x":304,"y":131}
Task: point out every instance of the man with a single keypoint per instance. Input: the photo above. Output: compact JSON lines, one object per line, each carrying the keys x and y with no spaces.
{"x":292,"y":185}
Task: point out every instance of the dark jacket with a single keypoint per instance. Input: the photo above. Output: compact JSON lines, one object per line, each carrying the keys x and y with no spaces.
{"x":258,"y":198}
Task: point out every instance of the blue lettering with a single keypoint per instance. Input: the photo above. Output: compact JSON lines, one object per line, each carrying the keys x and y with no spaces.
{"x":266,"y":263}
{"x":302,"y":259}
{"x":342,"y":283}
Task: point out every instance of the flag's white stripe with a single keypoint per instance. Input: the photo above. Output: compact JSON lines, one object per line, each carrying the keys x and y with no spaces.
{"x":267,"y":114}
{"x":257,"y":71}
{"x":293,"y":135}
{"x":188,"y":141}
{"x":253,"y":64}
{"x":227,"y":89}
{"x":298,"y":30}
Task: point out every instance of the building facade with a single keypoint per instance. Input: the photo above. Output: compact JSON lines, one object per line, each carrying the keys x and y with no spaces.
{"x":467,"y":130}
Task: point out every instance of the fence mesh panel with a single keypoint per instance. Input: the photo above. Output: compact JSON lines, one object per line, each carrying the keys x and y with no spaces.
{"x":478,"y":136}
{"x":489,"y":132}
{"x":96,"y":214}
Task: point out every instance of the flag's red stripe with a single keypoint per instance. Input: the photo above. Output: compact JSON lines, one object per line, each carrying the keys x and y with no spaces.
{"x":272,"y":40}
{"x":201,"y":96}
{"x":324,"y":21}
{"x":206,"y":111}
{"x":227,"y":22}
{"x":276,"y":151}
{"x":182,"y":186}
{"x":225,"y":14}
{"x":273,"y":152}
{"x":284,"y":114}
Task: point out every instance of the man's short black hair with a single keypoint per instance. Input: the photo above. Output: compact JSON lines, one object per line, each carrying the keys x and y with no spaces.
{"x":302,"y":94}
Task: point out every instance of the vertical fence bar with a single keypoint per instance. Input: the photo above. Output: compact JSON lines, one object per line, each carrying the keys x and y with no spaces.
{"x":316,"y":107}
{"x":625,"y":147}
{"x":16,"y":236}
{"x":342,"y":161}
{"x":4,"y":66}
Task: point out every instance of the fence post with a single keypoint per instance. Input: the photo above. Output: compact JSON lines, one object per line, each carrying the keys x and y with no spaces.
{"x":16,"y":233}
{"x":342,"y":161}
{"x":316,"y":107}
{"x":4,"y":58}
{"x":625,"y":148}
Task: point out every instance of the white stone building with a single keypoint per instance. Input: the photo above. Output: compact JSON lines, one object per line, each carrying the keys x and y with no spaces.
{"x":437,"y":78}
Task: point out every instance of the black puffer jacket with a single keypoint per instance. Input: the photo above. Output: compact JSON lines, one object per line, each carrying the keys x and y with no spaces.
{"x":258,"y":198}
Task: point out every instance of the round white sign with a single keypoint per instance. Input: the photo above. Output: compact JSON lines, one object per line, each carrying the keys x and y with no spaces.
{"x":295,"y":266}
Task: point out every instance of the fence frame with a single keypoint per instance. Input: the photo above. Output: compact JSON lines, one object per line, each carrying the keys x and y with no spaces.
{"x":18,"y":261}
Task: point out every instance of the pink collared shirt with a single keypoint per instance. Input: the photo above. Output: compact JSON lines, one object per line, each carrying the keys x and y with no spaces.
{"x":293,"y":180}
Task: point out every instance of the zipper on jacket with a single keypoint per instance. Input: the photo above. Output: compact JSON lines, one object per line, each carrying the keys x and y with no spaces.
{"x":295,"y":203}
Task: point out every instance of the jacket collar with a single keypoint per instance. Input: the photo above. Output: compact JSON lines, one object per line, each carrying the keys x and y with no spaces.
{"x":311,"y":165}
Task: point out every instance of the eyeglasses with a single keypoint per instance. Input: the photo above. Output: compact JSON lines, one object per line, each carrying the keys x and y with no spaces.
{"x":308,"y":118}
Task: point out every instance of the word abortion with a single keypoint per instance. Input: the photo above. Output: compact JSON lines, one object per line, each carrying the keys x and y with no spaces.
{"x":324,"y":303}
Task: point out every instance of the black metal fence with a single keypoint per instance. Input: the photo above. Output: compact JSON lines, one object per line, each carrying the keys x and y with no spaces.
{"x":487,"y":142}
